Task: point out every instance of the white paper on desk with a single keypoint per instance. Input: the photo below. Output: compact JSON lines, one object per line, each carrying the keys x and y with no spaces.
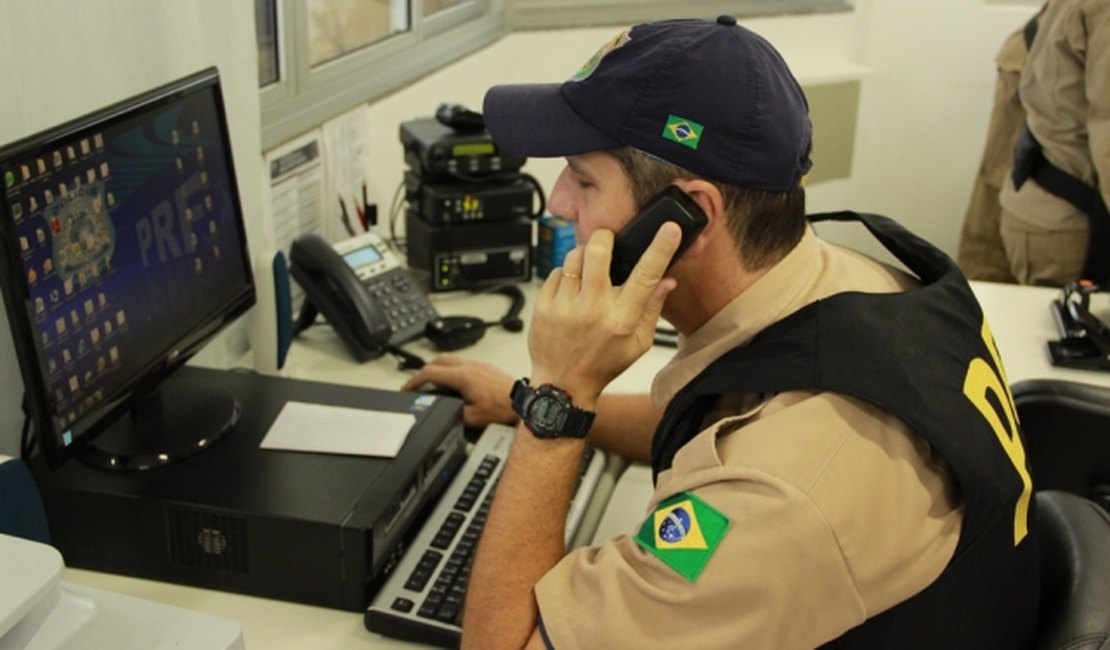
{"x":328,"y":429}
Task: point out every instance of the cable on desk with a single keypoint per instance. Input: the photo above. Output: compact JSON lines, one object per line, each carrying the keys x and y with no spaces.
{"x":394,"y":210}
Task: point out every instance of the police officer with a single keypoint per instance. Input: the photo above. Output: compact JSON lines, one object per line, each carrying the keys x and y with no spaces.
{"x":981,"y":254}
{"x":1054,"y":222}
{"x":834,"y":446}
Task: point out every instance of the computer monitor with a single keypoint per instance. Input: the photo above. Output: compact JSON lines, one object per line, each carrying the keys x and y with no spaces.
{"x":124,"y":252}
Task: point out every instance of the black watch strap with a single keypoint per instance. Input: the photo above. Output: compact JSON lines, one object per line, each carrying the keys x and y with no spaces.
{"x":549,"y":412}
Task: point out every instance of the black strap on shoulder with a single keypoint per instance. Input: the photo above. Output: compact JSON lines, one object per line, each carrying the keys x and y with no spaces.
{"x":1030,"y":31}
{"x":782,"y":358}
{"x":1030,"y":162}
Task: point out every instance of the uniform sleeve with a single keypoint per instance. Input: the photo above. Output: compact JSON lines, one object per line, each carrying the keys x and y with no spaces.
{"x":836,"y":512}
{"x":619,"y":594}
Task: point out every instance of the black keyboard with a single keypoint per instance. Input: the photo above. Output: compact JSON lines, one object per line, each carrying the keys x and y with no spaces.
{"x":422,"y":600}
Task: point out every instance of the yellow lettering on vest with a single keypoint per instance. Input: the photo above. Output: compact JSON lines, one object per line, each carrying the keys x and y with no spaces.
{"x":983,"y":379}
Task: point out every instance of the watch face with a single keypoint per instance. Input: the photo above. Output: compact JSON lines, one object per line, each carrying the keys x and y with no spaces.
{"x":548,"y":412}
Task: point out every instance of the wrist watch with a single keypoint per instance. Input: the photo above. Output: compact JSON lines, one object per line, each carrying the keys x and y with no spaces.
{"x":548,"y":411}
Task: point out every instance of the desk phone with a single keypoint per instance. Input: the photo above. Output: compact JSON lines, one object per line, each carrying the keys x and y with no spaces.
{"x":405,"y":304}
{"x":362,"y":290}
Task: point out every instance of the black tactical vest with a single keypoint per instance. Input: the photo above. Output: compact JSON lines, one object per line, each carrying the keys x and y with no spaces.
{"x":926,"y":356}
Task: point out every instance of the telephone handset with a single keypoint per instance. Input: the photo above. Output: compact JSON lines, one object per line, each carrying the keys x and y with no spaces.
{"x":672,"y":204}
{"x":362,"y":290}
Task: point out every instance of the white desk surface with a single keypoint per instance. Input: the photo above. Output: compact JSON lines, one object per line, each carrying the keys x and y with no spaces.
{"x":1019,"y":318}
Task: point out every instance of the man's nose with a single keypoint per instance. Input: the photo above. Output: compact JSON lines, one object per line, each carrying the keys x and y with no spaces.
{"x":559,"y":202}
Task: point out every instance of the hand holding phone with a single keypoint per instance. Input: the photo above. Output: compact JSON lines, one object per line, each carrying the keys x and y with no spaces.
{"x":672,"y":204}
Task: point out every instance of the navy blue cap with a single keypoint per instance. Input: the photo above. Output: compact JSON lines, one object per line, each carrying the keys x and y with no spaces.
{"x":709,"y":96}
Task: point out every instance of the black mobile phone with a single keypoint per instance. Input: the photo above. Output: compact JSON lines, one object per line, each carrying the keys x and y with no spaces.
{"x":672,"y":204}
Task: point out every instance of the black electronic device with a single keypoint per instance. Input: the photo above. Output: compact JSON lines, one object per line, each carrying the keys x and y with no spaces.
{"x":436,"y":151}
{"x":316,"y":528}
{"x":460,"y":118}
{"x":1084,"y":341}
{"x":474,"y":256}
{"x":423,"y":599}
{"x":672,"y":204}
{"x":456,"y":332}
{"x":124,"y":252}
{"x":549,"y":411}
{"x":373,"y":303}
{"x":461,"y":202}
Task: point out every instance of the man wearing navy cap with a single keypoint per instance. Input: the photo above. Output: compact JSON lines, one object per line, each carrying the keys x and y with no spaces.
{"x":835,"y":451}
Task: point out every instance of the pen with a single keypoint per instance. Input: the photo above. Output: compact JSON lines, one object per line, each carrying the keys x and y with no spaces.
{"x":345,"y":218}
{"x":370,"y":212}
{"x":361,"y":216}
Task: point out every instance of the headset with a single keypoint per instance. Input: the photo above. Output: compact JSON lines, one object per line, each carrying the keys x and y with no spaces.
{"x":456,"y":332}
{"x":449,"y":333}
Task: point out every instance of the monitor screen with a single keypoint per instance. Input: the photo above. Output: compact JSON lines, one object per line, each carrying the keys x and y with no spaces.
{"x":124,"y":252}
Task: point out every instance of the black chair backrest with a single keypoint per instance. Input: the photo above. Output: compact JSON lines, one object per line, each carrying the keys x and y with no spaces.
{"x":1067,"y":436}
{"x":21,"y":510}
{"x":1075,"y":573}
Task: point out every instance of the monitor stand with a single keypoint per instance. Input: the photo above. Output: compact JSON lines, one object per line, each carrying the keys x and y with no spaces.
{"x":177,"y":420}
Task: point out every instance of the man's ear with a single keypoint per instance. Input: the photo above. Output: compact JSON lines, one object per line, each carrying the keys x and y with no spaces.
{"x":709,"y":199}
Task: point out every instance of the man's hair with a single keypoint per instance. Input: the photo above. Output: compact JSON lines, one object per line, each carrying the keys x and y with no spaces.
{"x":765,"y":225}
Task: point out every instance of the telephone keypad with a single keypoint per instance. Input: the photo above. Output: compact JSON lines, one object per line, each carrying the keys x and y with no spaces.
{"x":404,"y":304}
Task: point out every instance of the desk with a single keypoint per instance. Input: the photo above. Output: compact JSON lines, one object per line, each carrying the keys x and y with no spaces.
{"x":1019,"y":317}
{"x":1022,"y":323}
{"x":319,"y":354}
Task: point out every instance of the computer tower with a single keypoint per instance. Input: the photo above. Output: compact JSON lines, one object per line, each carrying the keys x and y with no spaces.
{"x":321,"y":529}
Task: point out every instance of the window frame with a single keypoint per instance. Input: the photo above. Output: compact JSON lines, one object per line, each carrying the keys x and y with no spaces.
{"x":550,"y":14}
{"x":305,"y":97}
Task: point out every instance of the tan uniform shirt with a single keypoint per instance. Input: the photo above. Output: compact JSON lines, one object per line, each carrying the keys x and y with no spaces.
{"x":1065,"y":89}
{"x":981,"y":255}
{"x":837,"y":510}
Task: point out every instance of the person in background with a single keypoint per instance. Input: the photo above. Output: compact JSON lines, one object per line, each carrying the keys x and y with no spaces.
{"x":981,"y":254}
{"x":835,"y":453}
{"x":1053,"y":225}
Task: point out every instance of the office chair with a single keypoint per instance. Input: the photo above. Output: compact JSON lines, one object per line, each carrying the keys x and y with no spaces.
{"x":1067,"y":436}
{"x":1075,"y":573}
{"x":21,"y":510}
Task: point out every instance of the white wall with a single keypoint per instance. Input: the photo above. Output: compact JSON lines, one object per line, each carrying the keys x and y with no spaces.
{"x":927,"y":88}
{"x":924,"y":110}
{"x":924,"y":107}
{"x":64,"y":59}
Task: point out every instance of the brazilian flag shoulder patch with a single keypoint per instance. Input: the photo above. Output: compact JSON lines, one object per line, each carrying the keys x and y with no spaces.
{"x":683,"y":531}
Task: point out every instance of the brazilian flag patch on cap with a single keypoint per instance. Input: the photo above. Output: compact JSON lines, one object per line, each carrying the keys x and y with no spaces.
{"x":683,"y":532}
{"x":683,"y":131}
